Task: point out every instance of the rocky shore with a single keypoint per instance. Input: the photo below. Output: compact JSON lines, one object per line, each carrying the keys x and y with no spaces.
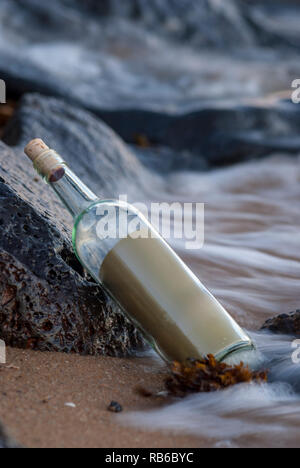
{"x":137,"y":89}
{"x":48,"y":302}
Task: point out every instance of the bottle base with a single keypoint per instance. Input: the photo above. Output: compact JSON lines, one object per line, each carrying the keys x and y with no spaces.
{"x":242,"y":352}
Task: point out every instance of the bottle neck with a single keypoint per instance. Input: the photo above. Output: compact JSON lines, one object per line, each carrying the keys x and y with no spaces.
{"x":74,"y":194}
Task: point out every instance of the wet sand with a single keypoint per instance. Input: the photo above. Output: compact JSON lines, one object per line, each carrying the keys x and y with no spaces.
{"x":35,"y":386}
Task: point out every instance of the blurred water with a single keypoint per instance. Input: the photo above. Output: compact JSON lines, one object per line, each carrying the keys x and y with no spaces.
{"x":251,"y":256}
{"x":250,"y":261}
{"x":244,"y":415}
{"x":120,"y":64}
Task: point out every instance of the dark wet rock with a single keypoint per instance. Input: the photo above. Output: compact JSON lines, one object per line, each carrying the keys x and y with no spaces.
{"x":165,"y":160}
{"x":6,"y":442}
{"x":46,"y":300}
{"x":95,"y":152}
{"x":218,"y":136}
{"x":142,"y":83}
{"x":229,"y":134}
{"x":115,"y":407}
{"x":286,"y":324}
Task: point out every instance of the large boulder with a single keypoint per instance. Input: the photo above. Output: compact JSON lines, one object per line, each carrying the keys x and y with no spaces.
{"x":47,"y":301}
{"x":96,"y":153}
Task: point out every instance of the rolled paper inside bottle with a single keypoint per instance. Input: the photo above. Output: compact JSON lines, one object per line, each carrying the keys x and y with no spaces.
{"x":168,"y":302}
{"x":160,"y":294}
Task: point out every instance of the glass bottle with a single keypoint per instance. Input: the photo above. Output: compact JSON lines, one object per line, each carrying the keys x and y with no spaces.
{"x":121,"y":250}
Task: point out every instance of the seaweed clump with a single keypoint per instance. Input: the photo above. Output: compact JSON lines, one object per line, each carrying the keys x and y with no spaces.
{"x":209,"y":375}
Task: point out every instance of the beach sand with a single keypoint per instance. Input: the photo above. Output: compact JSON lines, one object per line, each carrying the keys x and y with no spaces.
{"x":35,"y":386}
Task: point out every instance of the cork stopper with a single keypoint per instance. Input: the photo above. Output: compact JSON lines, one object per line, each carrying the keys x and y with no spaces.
{"x":35,"y":148}
{"x":45,"y":160}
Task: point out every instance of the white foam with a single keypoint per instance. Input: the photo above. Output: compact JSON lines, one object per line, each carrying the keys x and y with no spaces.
{"x":251,"y":263}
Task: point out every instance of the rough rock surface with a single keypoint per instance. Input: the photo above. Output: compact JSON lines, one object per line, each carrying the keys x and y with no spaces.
{"x":94,"y":151}
{"x":286,"y":324}
{"x":143,"y":83}
{"x":5,"y":441}
{"x":47,"y":302}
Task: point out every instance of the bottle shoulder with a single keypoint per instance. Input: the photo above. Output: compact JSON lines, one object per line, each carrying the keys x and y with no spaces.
{"x":101,"y":206}
{"x":109,"y":218}
{"x":99,"y":228}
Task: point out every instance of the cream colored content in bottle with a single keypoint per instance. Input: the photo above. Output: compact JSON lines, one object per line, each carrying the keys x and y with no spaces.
{"x":182,"y":319}
{"x":178,"y":316}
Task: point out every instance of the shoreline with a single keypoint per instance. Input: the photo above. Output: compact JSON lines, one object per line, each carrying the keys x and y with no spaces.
{"x":36,"y":386}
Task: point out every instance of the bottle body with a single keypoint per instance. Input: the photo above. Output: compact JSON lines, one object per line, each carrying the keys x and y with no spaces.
{"x":153,"y":286}
{"x":123,"y":252}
